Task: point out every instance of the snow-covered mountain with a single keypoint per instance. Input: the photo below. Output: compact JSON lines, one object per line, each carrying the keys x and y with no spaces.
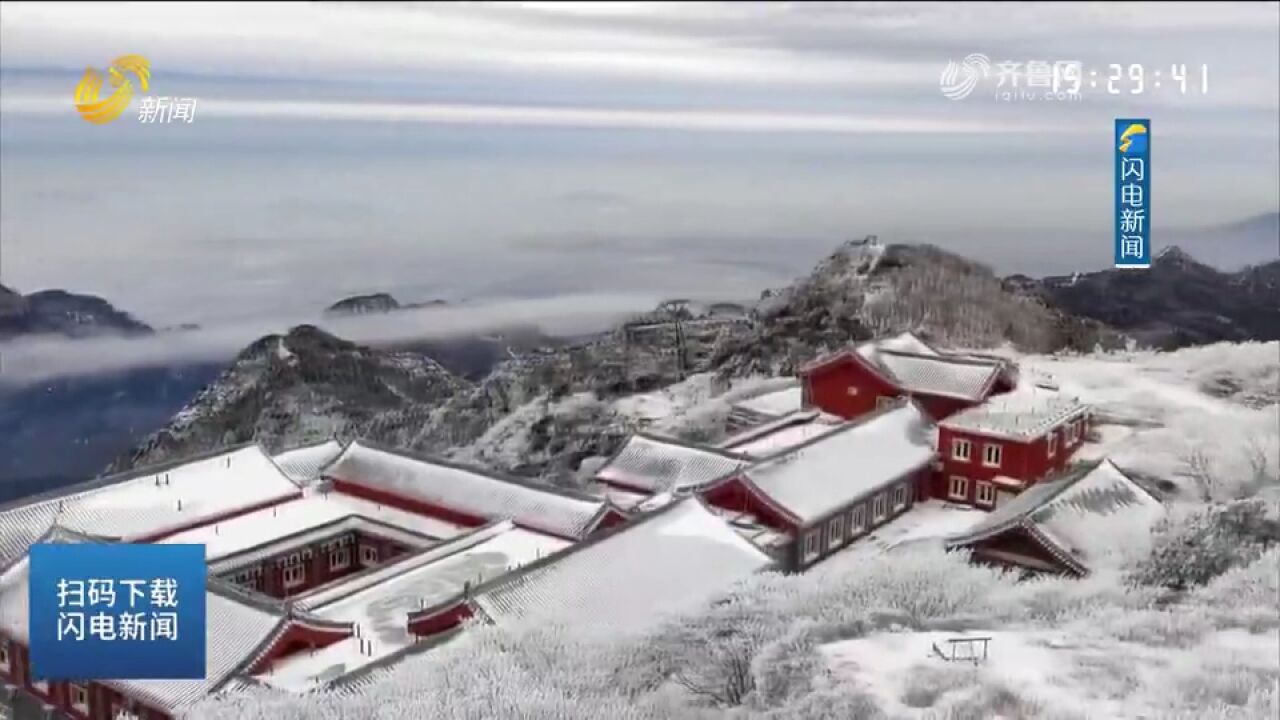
{"x":1179,"y":301}
{"x":58,"y":312}
{"x":543,"y":412}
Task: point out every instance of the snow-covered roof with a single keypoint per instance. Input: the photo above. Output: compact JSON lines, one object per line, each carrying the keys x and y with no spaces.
{"x":149,"y":501}
{"x":655,"y":464}
{"x":1027,"y":412}
{"x":905,"y":342}
{"x":316,"y":511}
{"x":466,"y":489}
{"x":236,"y":630}
{"x":781,"y":434}
{"x":378,"y":603}
{"x":847,"y":463}
{"x":303,"y":464}
{"x":235,"y":633}
{"x":1091,"y":517}
{"x":940,"y":375}
{"x":525,"y":545}
{"x":630,"y":579}
{"x":776,"y":403}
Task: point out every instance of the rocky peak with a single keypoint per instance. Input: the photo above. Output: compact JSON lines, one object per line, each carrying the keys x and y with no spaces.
{"x":58,"y":312}
{"x":364,"y":304}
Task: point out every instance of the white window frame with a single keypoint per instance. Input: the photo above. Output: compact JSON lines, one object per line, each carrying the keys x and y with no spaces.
{"x":835,"y":531}
{"x":76,"y":703}
{"x":956,"y":444}
{"x":812,"y":545}
{"x":858,"y":520}
{"x":339,"y":558}
{"x":294,"y":575}
{"x":986,"y":455}
{"x":985,"y":494}
{"x":900,"y":495}
{"x":368,"y":555}
{"x":4,"y":656}
{"x":961,"y":482}
{"x":880,"y":507}
{"x":1052,"y":448}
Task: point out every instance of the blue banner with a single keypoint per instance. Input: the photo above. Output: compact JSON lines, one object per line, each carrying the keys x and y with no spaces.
{"x":117,"y":612}
{"x":1132,"y":143}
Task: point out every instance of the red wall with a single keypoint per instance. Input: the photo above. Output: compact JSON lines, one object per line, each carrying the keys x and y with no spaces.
{"x":612,"y":518}
{"x":296,"y":639}
{"x":732,"y":495}
{"x":827,"y":388}
{"x":409,"y":504}
{"x":445,"y":618}
{"x":103,"y":700}
{"x":318,"y":572}
{"x":1027,"y":461}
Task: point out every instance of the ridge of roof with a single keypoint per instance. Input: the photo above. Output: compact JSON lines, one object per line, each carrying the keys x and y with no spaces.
{"x":464,"y":467}
{"x":555,"y":557}
{"x":281,"y":539}
{"x":726,"y":453}
{"x":860,"y":421}
{"x":950,"y":359}
{"x":103,"y":481}
{"x":1049,"y":491}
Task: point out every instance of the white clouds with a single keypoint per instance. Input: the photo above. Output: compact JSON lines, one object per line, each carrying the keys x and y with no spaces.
{"x":35,"y":360}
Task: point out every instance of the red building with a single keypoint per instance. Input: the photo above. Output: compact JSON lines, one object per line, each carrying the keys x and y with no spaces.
{"x":857,"y":381}
{"x":1007,"y":444}
{"x":815,"y":497}
{"x":310,"y":570}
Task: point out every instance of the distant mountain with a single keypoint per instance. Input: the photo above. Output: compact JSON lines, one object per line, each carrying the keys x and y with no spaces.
{"x":1232,"y":246}
{"x":471,"y":356}
{"x":308,"y":385}
{"x":1179,"y":301}
{"x":868,"y":289}
{"x":61,"y":313}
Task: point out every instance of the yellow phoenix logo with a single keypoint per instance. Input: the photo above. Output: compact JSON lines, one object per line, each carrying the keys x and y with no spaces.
{"x":104,"y":111}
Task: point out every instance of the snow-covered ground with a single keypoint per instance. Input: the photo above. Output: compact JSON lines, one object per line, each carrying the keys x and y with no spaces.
{"x":853,"y":637}
{"x":1091,"y":673}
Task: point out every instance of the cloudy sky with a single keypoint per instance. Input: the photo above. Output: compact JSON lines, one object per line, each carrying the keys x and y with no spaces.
{"x":474,"y":151}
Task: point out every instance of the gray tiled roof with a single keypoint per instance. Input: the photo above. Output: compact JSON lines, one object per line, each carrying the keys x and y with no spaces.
{"x":940,"y":375}
{"x":631,"y":579}
{"x":148,"y":500}
{"x":659,"y":465}
{"x":466,"y":489}
{"x":1087,"y":516}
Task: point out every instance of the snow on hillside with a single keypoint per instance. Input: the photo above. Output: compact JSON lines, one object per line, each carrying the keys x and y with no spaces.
{"x":853,"y":637}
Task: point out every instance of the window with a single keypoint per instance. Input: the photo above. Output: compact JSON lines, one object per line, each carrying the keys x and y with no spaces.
{"x":812,"y":543}
{"x":835,"y":532}
{"x":851,"y":390}
{"x":368,"y":555}
{"x":991,"y":453}
{"x":885,"y":401}
{"x":900,"y":497}
{"x":961,"y":449}
{"x":1053,"y":443}
{"x":295,"y":573}
{"x":958,"y":488}
{"x":880,"y":507}
{"x":80,"y":698}
{"x":340,"y":558}
{"x":4,"y":656}
{"x":986,"y":493}
{"x":858,"y":520}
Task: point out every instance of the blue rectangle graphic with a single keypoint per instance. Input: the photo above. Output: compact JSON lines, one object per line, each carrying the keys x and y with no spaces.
{"x":117,"y":611}
{"x":1132,"y":143}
